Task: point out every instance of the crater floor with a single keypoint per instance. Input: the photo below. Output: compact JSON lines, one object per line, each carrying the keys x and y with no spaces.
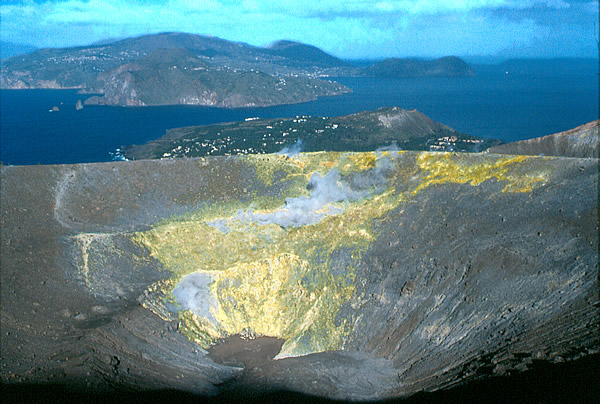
{"x":340,"y":275}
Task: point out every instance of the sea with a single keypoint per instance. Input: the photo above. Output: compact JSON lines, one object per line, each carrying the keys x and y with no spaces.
{"x":510,"y":101}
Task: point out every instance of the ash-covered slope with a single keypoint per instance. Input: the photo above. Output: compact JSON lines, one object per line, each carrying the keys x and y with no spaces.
{"x":367,"y":130}
{"x":582,"y":141}
{"x":416,"y":271}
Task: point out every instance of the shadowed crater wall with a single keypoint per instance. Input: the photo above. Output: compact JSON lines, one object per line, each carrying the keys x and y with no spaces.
{"x":413,"y":272}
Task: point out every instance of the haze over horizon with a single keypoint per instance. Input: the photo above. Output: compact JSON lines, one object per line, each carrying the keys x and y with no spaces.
{"x":348,"y":29}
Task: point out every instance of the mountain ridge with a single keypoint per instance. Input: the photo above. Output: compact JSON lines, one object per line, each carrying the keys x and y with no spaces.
{"x":100,"y":69}
{"x":448,"y":66}
{"x":186,"y":79}
{"x":582,"y":141}
{"x":9,"y":49}
{"x":304,"y":53}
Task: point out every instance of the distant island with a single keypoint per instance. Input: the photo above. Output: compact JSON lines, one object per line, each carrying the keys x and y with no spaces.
{"x":179,"y":68}
{"x":363,"y":131}
{"x":450,"y":66}
{"x":177,"y":76}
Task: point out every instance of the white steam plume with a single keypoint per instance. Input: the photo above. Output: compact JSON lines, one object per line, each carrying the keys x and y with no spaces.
{"x":193,"y":294}
{"x":291,"y":151}
{"x":327,"y":195}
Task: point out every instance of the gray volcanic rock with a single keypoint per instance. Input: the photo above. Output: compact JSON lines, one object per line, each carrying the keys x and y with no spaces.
{"x":444,"y":268}
{"x":582,"y":141}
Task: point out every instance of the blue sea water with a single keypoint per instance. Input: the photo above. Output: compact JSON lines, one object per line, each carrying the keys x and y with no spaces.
{"x":511,"y":102}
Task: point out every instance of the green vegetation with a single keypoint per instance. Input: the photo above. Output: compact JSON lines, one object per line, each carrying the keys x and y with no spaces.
{"x":175,"y":68}
{"x":409,"y":130}
{"x":449,"y":66}
{"x":177,"y":76}
{"x":178,"y":68}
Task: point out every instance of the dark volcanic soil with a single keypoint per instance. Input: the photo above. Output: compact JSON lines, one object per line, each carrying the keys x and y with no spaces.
{"x":582,"y":141}
{"x":245,"y":352}
{"x":463,"y":283}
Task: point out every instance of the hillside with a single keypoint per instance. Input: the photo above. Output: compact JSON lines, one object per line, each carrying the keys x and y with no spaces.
{"x":304,"y":54}
{"x":219,"y":72}
{"x":582,"y":141}
{"x":449,"y":66}
{"x":122,"y":68}
{"x":9,"y":49}
{"x":177,"y":76}
{"x":408,"y":130}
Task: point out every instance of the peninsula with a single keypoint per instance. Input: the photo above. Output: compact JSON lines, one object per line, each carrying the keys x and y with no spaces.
{"x":368,"y":130}
{"x":179,"y":68}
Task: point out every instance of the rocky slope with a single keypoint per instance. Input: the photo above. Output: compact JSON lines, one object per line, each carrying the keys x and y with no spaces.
{"x":368,"y":130}
{"x":408,"y":272}
{"x":582,"y":141}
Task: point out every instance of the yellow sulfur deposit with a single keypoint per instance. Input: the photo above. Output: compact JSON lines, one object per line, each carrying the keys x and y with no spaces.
{"x":444,"y":168}
{"x":277,"y":281}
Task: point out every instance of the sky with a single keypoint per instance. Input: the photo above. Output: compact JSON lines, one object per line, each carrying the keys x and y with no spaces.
{"x":348,"y":29}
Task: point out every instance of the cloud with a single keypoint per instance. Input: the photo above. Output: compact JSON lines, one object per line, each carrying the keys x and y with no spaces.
{"x":350,"y":28}
{"x":551,"y":14}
